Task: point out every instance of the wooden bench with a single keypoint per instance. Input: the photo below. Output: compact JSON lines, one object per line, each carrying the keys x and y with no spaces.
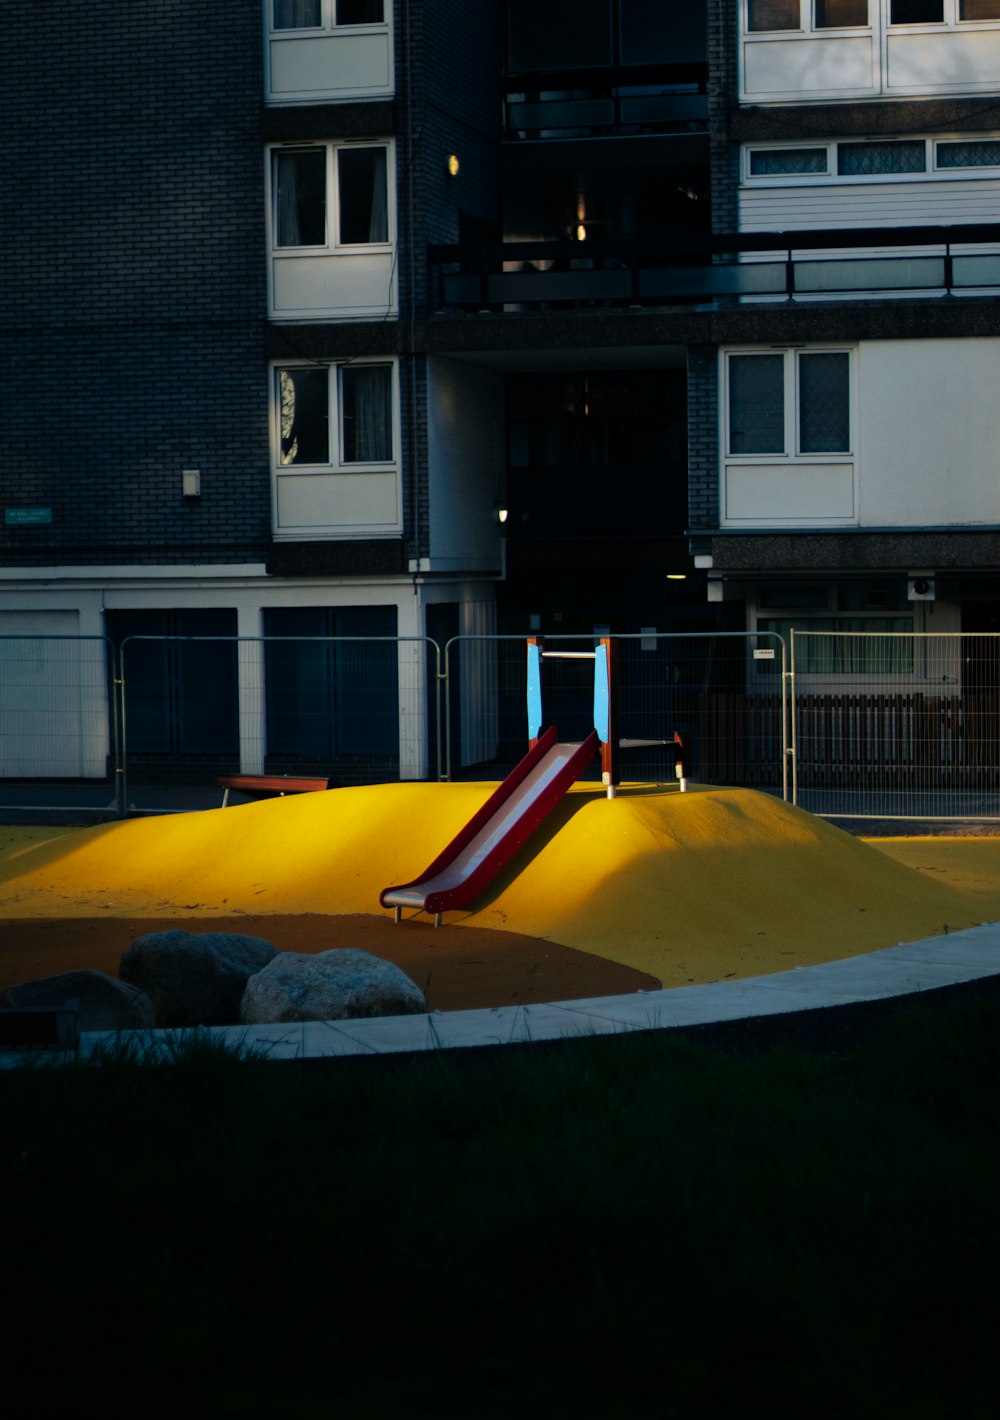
{"x":261,"y":785}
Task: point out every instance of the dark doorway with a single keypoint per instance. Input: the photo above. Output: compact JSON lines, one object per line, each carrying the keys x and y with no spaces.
{"x":180,"y":689}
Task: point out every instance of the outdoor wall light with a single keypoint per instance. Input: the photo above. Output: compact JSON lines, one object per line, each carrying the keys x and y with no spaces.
{"x":191,"y":482}
{"x":453,"y":165}
{"x":677,"y":576}
{"x":501,"y":515}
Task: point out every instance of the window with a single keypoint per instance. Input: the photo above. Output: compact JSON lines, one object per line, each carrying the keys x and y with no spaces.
{"x":334,"y":416}
{"x":325,"y":14}
{"x":773,"y":14}
{"x":788,"y":403}
{"x":844,"y":645}
{"x":975,"y":154}
{"x":916,"y":12}
{"x":770,"y":15}
{"x":877,"y":159}
{"x":787,"y":162}
{"x":840,"y":14}
{"x":330,"y":196}
{"x":835,"y":162}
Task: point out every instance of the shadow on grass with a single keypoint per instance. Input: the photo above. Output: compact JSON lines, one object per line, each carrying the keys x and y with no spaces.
{"x":636,"y":1225}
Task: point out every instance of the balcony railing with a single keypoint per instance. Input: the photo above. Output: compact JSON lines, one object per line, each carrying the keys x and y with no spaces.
{"x":625,"y":272}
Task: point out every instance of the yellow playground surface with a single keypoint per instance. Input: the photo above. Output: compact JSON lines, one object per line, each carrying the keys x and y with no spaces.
{"x":708,"y":885}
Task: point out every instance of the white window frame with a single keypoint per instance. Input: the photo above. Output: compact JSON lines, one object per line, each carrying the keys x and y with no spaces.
{"x":791,"y":453}
{"x":328,"y":22}
{"x":831,"y":177}
{"x":332,"y":242}
{"x":879,"y":12}
{"x":336,"y":462}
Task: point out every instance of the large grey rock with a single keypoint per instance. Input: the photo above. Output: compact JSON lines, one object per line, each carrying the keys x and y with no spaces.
{"x":102,"y":1003}
{"x":194,"y":978}
{"x":329,"y":986}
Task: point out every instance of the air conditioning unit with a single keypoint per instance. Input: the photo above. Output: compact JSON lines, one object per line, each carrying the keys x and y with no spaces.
{"x":920,"y":587}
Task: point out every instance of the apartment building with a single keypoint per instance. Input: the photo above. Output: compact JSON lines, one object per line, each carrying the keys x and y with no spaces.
{"x":389,"y":319}
{"x":855,"y":476}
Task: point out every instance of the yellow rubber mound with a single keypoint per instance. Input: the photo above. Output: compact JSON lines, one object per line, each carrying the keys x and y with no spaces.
{"x":694,"y":887}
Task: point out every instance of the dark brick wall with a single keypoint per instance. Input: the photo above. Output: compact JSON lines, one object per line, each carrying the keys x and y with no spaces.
{"x":448,"y":75}
{"x":133,"y":297}
{"x":723,"y":17}
{"x":703,"y":437}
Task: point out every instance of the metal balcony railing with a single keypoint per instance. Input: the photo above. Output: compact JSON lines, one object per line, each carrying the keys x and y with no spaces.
{"x":731,"y":267}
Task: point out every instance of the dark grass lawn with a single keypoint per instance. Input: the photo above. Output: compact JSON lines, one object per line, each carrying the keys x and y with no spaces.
{"x":791,"y":1219}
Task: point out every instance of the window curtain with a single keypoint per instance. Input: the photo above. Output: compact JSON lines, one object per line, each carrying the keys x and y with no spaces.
{"x":367,"y":410}
{"x":285,"y":201}
{"x":297,"y":14}
{"x":300,"y":198}
{"x":867,"y":648}
{"x":378,"y":224}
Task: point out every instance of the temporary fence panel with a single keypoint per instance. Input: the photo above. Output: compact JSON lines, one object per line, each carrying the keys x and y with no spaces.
{"x":58,"y":728}
{"x":351,"y":709}
{"x":692,"y":684}
{"x":897,"y":725}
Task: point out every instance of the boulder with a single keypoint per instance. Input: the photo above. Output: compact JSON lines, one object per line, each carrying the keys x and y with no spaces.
{"x":328,"y":986}
{"x":194,"y":978}
{"x":102,"y":1003}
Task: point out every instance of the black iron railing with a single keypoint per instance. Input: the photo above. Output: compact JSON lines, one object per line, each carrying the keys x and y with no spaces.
{"x":943,"y":260}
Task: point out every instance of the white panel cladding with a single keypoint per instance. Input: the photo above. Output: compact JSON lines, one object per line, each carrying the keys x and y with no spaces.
{"x":794,"y":206}
{"x":341,"y":286}
{"x":927,"y":453}
{"x":465,"y":444}
{"x":816,"y":65}
{"x":953,"y":62}
{"x":778,"y":495}
{"x":54,"y":713}
{"x":345,"y":65}
{"x":814,"y":68}
{"x":337,"y":505}
{"x":929,"y":433}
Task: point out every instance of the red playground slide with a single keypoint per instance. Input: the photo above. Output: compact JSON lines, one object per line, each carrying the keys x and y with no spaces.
{"x":493,"y":835}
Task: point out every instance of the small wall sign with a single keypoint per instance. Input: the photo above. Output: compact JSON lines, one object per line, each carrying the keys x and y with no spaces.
{"x":26,"y":517}
{"x":764,"y":653}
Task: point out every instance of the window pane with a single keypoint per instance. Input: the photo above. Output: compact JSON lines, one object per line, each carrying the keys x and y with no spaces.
{"x":360,"y":12}
{"x":824,"y":403}
{"x":304,"y":413}
{"x":364,"y":201}
{"x":979,"y":10}
{"x":773,"y":14}
{"x":917,"y":12}
{"x":782,"y":161}
{"x":834,"y":14}
{"x":297,"y":14}
{"x":560,"y":34}
{"x":756,"y":404}
{"x":979,"y":154}
{"x":366,"y":409}
{"x":873,"y":159}
{"x":300,"y":198}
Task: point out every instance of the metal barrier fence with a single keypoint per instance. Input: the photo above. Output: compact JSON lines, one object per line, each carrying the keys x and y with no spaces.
{"x":355,"y":710}
{"x":848,"y":724}
{"x":689,"y":683}
{"x":897,"y":725}
{"x":59,"y":726}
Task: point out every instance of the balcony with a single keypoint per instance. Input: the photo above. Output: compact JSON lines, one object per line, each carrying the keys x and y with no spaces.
{"x":839,"y":264}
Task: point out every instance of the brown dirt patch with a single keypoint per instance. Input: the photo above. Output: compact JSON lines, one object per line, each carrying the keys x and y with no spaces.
{"x":457,"y":968}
